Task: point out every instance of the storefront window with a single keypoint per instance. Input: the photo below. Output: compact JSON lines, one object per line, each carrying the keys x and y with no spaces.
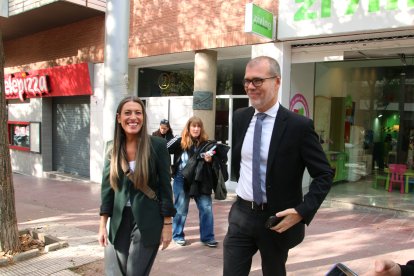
{"x":24,"y":136}
{"x":178,"y":79}
{"x":19,"y":135}
{"x":169,"y":80}
{"x":364,"y":115}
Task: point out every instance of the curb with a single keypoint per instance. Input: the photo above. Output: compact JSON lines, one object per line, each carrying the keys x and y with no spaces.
{"x":51,"y":244}
{"x":335,"y":203}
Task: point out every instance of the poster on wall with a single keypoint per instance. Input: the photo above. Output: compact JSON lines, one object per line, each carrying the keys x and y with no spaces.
{"x":299,"y":104}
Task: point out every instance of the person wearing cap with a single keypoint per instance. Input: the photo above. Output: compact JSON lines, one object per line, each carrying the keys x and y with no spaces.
{"x":164,"y":130}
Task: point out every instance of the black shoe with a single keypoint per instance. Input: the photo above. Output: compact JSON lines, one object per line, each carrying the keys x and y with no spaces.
{"x":212,"y":243}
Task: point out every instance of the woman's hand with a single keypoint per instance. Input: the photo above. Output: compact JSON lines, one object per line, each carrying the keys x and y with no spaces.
{"x":103,"y":234}
{"x":166,"y":235}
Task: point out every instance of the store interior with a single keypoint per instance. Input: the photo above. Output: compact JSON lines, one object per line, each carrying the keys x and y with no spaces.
{"x":364,"y":116}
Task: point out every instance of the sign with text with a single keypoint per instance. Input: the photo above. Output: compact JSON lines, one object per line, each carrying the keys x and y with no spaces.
{"x":259,"y":21}
{"x":22,"y":85}
{"x":312,"y":18}
{"x":203,"y":100}
{"x":70,"y":80}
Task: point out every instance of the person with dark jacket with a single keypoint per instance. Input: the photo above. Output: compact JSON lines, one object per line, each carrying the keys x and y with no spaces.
{"x":271,"y":147}
{"x":135,"y":193}
{"x":391,"y":268}
{"x":164,"y":131}
{"x":186,"y":150}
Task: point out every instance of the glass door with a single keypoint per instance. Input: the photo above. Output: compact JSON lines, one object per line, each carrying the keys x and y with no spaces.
{"x":225,"y":107}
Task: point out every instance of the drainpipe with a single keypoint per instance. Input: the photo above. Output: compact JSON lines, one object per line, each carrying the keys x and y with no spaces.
{"x":115,"y":61}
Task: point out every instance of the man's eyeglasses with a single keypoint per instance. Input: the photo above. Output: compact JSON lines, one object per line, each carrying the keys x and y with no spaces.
{"x":256,"y":81}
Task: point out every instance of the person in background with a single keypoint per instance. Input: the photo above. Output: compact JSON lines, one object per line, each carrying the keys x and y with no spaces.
{"x":391,"y":268}
{"x":269,"y":166}
{"x":192,"y":139}
{"x":164,"y":130}
{"x":136,"y":192}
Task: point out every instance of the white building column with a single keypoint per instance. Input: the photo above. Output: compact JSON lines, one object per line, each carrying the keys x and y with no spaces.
{"x":280,"y":51}
{"x":115,"y":61}
{"x":205,"y":81}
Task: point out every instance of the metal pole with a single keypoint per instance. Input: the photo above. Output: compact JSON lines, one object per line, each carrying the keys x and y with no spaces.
{"x":115,"y":81}
{"x":115,"y":61}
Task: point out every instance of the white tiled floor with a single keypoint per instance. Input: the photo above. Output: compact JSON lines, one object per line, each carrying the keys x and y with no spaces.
{"x":363,"y":193}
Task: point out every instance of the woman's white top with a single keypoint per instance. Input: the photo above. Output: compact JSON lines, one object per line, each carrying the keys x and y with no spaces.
{"x":132,"y":168}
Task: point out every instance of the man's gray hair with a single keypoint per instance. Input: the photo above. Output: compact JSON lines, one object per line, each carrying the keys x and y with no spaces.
{"x":274,"y":68}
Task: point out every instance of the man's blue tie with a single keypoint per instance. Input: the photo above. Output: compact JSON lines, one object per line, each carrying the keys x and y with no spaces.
{"x":257,"y":189}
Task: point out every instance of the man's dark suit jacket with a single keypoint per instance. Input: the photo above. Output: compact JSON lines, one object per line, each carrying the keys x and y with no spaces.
{"x":294,"y":145}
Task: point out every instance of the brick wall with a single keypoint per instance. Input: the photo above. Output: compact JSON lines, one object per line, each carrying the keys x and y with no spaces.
{"x":156,"y":27}
{"x":82,"y":41}
{"x":160,"y":27}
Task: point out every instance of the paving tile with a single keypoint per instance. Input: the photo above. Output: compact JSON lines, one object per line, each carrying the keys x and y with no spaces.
{"x":355,"y":225}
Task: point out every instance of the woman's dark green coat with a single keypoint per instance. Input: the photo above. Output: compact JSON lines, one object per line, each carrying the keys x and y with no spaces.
{"x":148,"y":213}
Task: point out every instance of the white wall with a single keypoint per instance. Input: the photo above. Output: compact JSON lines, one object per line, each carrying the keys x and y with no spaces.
{"x":303,"y":82}
{"x":4,"y":8}
{"x":23,"y":161}
{"x":176,"y":109}
{"x":97,"y":124}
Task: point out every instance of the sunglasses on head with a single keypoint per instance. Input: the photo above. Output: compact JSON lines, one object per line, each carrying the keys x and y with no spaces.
{"x":164,"y":122}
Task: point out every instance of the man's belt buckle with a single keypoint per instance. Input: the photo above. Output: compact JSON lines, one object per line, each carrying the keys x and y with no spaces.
{"x":260,"y":207}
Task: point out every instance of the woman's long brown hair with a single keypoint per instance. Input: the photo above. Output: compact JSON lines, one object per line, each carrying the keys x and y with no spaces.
{"x":186,"y":140}
{"x":119,"y":157}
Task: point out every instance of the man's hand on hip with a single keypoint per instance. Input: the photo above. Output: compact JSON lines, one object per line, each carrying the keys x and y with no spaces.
{"x":290,"y":218}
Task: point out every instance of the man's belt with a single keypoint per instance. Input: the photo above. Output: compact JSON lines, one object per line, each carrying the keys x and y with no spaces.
{"x":252,"y":205}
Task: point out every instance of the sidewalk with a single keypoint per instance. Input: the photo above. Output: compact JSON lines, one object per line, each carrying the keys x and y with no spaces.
{"x":342,"y":231}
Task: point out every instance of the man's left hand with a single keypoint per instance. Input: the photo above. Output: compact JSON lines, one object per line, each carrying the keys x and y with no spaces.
{"x":290,"y":218}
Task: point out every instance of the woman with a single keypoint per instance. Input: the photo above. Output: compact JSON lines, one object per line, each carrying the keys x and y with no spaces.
{"x":191,"y":141}
{"x":164,"y":130}
{"x":136,"y":191}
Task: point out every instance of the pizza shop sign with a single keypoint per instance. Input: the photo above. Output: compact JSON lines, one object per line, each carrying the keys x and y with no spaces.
{"x":26,"y":86}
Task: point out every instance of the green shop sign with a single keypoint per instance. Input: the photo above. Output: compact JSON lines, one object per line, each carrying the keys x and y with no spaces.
{"x":259,"y":21}
{"x":306,"y":11}
{"x":314,"y":18}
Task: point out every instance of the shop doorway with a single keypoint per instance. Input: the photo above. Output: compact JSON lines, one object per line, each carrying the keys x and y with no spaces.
{"x":71,"y":132}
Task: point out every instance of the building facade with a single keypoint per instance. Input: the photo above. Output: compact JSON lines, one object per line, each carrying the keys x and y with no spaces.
{"x":348,"y":66}
{"x":175,"y":48}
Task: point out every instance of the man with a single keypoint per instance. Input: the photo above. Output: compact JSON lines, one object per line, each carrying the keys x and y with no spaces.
{"x":288,"y":144}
